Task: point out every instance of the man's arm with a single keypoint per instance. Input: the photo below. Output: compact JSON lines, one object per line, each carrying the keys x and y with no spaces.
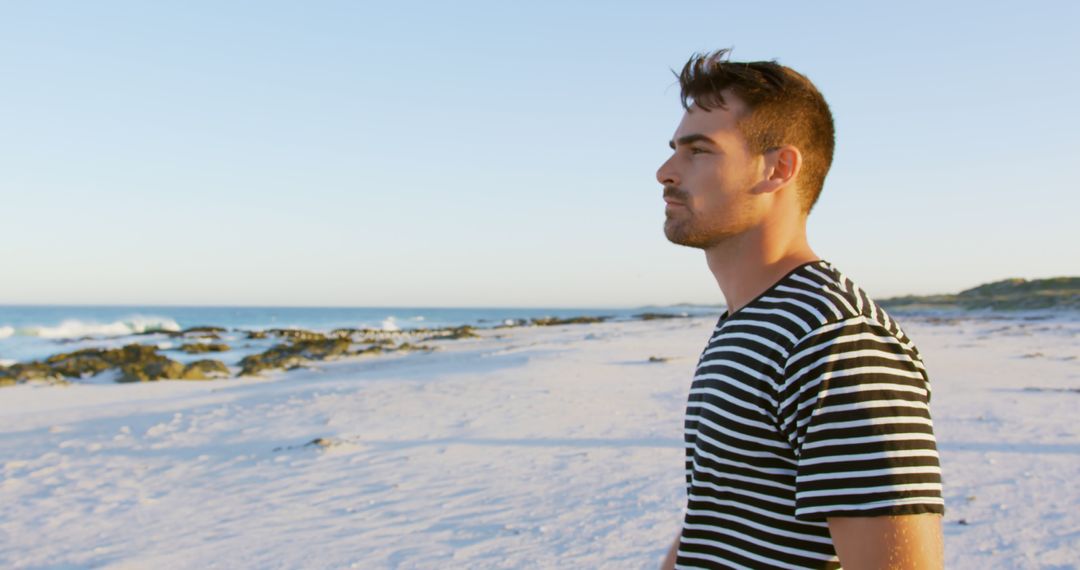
{"x":673,"y":553}
{"x":889,"y":542}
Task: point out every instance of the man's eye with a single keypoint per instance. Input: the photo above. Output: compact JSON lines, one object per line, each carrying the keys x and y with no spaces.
{"x":694,"y":150}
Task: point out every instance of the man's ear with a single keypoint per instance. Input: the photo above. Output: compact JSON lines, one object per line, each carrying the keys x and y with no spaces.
{"x":782,"y":166}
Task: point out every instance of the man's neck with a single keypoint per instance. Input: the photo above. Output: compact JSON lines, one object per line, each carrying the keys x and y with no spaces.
{"x":746,"y":265}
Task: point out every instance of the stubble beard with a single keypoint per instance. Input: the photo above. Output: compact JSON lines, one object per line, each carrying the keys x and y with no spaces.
{"x":682,"y":228}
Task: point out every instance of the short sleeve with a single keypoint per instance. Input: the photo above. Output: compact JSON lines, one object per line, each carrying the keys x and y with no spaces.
{"x":855,"y":407}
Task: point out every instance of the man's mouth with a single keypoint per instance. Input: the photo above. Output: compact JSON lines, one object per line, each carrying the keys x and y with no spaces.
{"x":671,"y":196}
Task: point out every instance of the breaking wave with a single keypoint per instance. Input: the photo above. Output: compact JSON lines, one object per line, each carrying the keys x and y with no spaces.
{"x":389,"y":324}
{"x":74,"y":328}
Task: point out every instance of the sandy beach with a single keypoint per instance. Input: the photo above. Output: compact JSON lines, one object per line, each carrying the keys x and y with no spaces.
{"x":531,"y":447}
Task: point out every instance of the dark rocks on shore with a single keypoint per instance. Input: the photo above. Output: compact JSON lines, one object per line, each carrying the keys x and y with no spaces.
{"x":296,"y":334}
{"x":373,"y":349}
{"x":553,"y":321}
{"x":83,"y":362}
{"x":289,"y":334}
{"x":199,"y":331}
{"x":409,"y":347}
{"x":205,"y":329}
{"x":137,"y":363}
{"x":25,"y":372}
{"x":155,"y":368}
{"x":300,"y":353}
{"x":655,"y":316}
{"x":201,"y":347}
{"x":142,"y":363}
{"x":204,"y":335}
{"x":295,"y":354}
{"x":205,"y":370}
{"x":96,"y":360}
{"x":148,"y":332}
{"x":464,"y":331}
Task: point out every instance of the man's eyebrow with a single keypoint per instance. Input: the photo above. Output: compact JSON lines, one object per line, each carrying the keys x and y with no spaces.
{"x":691,"y":139}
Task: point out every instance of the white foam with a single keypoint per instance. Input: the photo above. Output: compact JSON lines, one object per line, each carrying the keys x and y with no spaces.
{"x":6,"y":331}
{"x":5,"y":362}
{"x":74,"y":328}
{"x":388,"y":324}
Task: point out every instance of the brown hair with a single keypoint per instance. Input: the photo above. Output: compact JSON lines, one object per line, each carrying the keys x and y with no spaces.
{"x":783,"y":105}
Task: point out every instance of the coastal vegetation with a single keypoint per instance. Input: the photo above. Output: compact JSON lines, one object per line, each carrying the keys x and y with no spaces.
{"x":1014,"y":294}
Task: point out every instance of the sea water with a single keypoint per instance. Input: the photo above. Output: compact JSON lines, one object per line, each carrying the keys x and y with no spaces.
{"x":30,"y":332}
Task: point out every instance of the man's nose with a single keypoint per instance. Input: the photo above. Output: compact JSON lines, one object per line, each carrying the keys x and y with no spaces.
{"x":665,"y":175}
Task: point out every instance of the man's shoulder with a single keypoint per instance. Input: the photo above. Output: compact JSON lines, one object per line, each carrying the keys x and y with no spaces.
{"x":841,"y":302}
{"x":851,"y":307}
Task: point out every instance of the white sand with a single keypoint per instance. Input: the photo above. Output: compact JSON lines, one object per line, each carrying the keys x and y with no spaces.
{"x":550,"y":447}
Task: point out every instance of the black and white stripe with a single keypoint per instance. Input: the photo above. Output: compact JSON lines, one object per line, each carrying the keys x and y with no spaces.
{"x":808,"y":402}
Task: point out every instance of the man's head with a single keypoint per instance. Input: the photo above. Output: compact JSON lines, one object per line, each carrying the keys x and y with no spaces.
{"x":755,"y":143}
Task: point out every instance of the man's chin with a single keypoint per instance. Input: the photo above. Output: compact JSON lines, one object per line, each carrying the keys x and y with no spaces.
{"x":677,"y":237}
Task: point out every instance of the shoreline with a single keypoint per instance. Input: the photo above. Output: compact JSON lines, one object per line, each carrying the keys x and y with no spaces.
{"x":530,"y":446}
{"x":246,"y":351}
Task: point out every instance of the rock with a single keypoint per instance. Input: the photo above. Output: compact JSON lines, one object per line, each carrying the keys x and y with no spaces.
{"x":131,"y":353}
{"x":95,"y":360}
{"x":256,"y":334}
{"x":80,"y":363}
{"x":206,"y":335}
{"x":29,"y":371}
{"x":205,"y":370}
{"x":256,"y":363}
{"x":296,"y":354}
{"x":297,"y":334}
{"x":324,"y":348}
{"x":170,"y":334}
{"x":553,"y":321}
{"x":655,"y":316}
{"x":137,"y":363}
{"x":201,"y":347}
{"x":157,"y":368}
{"x":204,"y":329}
{"x":269,"y":360}
{"x":409,"y":347}
{"x":464,"y":331}
{"x":658,"y":359}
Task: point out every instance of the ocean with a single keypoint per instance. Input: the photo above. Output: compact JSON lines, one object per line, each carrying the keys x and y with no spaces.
{"x":31,"y":332}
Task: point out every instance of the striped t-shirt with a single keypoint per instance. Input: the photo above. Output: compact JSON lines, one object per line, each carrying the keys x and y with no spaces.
{"x":808,"y":402}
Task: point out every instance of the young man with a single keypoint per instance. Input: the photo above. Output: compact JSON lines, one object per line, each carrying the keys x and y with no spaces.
{"x":809,"y":441}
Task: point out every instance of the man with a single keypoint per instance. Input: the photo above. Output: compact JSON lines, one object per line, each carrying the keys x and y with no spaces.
{"x":809,"y":441}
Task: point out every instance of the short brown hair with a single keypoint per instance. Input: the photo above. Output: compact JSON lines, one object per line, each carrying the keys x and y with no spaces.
{"x":784,"y":108}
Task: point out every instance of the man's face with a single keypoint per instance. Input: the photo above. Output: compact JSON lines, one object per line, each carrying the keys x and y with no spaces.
{"x":710,"y":177}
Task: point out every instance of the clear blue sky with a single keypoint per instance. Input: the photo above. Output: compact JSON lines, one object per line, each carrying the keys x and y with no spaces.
{"x":503,"y":154}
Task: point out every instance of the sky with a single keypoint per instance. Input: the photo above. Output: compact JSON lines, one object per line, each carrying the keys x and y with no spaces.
{"x":502,"y":153}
